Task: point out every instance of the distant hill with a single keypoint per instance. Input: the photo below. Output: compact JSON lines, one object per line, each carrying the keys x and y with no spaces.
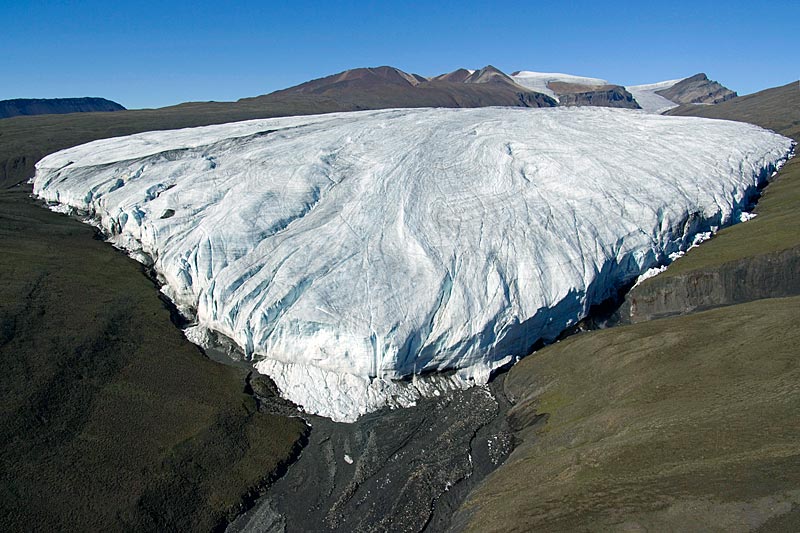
{"x":697,"y":89}
{"x":384,"y":87}
{"x":55,"y":106}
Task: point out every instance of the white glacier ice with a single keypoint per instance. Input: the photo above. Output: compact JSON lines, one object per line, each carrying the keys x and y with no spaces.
{"x":343,"y":252}
{"x":647,"y":98}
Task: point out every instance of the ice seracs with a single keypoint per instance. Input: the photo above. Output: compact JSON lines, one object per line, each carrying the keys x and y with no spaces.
{"x":344,"y":252}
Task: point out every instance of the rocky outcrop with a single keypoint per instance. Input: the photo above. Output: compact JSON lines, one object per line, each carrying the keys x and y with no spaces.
{"x":570,"y":94}
{"x":488,"y":74}
{"x":771,"y":275}
{"x":55,"y":106}
{"x":697,"y":90}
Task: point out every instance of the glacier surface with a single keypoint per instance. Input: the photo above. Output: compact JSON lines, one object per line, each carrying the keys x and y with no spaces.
{"x":343,"y":252}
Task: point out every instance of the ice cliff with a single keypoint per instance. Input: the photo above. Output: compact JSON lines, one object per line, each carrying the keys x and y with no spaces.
{"x":344,"y":252}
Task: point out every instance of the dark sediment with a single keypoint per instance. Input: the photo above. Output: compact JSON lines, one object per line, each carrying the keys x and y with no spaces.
{"x":392,"y":470}
{"x":411,"y":468}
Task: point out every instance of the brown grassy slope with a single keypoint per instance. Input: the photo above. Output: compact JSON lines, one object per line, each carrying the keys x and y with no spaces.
{"x":110,"y":419}
{"x":374,"y":88}
{"x":681,"y":424}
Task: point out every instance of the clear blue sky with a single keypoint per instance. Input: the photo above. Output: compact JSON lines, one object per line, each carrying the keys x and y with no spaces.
{"x":152,"y":54}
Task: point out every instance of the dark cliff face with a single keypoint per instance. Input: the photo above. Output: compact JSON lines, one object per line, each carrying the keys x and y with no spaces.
{"x":697,"y":90}
{"x":55,"y":106}
{"x":585,"y":95}
{"x":771,"y":275}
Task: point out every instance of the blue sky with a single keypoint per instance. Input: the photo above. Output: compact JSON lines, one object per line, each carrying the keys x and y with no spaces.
{"x":152,"y":54}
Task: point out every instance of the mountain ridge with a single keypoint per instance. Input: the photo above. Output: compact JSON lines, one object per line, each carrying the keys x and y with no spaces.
{"x":385,"y":87}
{"x":55,"y":106}
{"x":698,"y":89}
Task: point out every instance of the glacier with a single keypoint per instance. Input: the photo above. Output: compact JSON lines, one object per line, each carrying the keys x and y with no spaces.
{"x":649,"y":100}
{"x":367,"y":259}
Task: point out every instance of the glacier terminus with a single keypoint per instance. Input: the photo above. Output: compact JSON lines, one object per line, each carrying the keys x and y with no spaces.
{"x":347,"y":254}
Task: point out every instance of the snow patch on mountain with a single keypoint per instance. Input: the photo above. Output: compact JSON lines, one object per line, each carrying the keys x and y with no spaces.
{"x":347,"y":252}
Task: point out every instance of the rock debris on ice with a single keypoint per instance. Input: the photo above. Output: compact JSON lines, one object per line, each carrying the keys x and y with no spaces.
{"x":344,"y":252}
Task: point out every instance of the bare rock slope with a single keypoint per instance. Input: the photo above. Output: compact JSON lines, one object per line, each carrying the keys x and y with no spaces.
{"x":385,"y":87}
{"x":697,"y":89}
